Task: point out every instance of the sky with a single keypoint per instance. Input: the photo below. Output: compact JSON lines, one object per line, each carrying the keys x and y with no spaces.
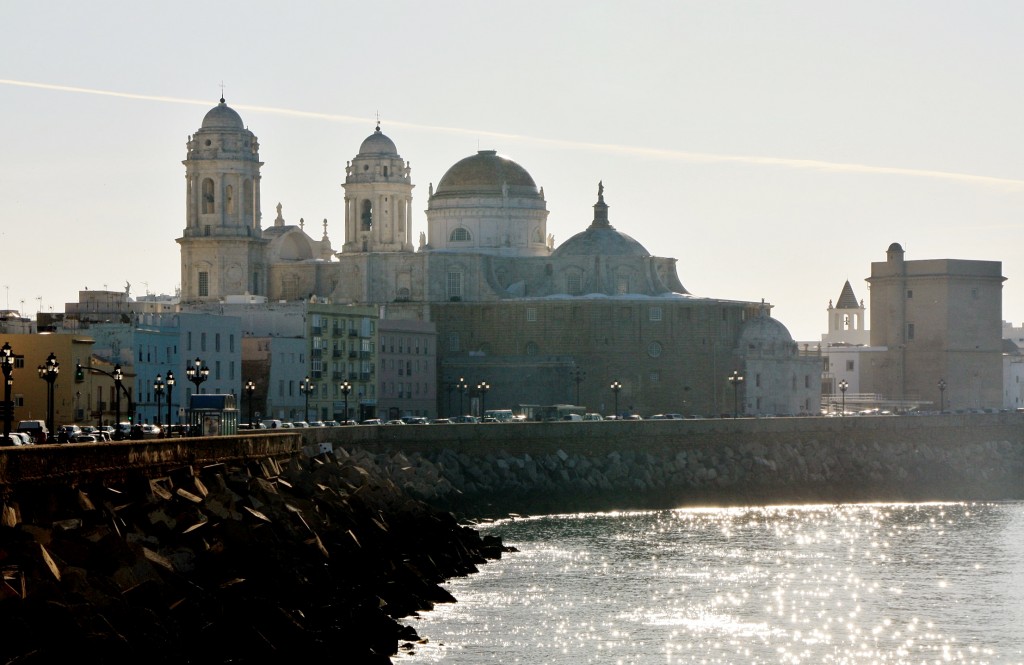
{"x":775,"y":149}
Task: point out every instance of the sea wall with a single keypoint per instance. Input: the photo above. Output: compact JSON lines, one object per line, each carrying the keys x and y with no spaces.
{"x":563,"y":467}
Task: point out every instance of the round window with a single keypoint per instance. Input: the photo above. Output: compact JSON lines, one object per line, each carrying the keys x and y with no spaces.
{"x":654,"y":349}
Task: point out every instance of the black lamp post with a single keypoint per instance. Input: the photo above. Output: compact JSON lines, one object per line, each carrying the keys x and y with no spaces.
{"x":197,"y":373}
{"x":843,"y":385}
{"x":942,"y":395}
{"x":158,"y":391}
{"x":483,"y":387}
{"x":578,"y":375}
{"x":345,"y":388}
{"x":7,"y":365}
{"x":250,"y":390}
{"x":616,"y":387}
{"x":462,"y":387}
{"x":736,"y":379}
{"x":170,"y":394}
{"x":306,"y":387}
{"x":117,"y":375}
{"x":48,"y":372}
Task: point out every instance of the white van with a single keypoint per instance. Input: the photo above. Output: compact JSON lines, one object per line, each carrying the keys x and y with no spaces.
{"x":271,"y":424}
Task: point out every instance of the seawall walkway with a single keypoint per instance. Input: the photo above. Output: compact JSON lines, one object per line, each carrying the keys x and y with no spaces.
{"x":488,"y":469}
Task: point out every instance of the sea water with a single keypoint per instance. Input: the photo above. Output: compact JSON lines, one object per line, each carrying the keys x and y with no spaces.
{"x":865,"y":583}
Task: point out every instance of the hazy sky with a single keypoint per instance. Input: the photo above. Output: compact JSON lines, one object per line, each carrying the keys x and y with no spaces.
{"x":774,"y":148}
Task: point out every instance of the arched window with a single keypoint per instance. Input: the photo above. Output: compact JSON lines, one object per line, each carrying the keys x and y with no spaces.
{"x":460,"y":235}
{"x":247,"y":199}
{"x":367,"y":215}
{"x":208,"y":195}
{"x":532,"y":349}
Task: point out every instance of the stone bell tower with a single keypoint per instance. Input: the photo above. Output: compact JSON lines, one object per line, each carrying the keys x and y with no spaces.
{"x":222,"y":246}
{"x":378,"y":199}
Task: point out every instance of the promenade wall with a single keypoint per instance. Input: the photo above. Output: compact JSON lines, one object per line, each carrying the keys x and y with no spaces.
{"x":491,"y":469}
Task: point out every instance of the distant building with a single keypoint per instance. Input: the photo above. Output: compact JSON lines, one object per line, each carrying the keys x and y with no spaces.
{"x":939,"y":322}
{"x":510,"y":308}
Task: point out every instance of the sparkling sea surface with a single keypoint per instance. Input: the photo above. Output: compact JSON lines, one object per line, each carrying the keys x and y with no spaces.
{"x":856,"y":583}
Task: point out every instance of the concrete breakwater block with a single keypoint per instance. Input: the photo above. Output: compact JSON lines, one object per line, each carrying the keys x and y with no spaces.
{"x":271,"y":560}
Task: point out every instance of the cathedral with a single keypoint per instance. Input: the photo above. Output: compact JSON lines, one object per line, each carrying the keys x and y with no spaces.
{"x":534,"y":322}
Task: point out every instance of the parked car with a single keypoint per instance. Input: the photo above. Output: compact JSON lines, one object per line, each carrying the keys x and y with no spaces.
{"x":85,"y":438}
{"x":415,"y":420}
{"x":12,"y":439}
{"x":592,"y":416}
{"x":464,"y":419}
{"x":396,"y":421}
{"x":151,"y":431}
{"x":440,"y":421}
{"x":300,"y":423}
{"x":36,"y":429}
{"x":372,"y":421}
{"x":331,"y":423}
{"x":65,"y":433}
{"x":316,"y":423}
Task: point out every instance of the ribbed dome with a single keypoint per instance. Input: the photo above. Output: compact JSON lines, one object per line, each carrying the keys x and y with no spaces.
{"x":601,"y":242}
{"x":763,"y":330}
{"x":601,"y":238}
{"x":487,"y":174}
{"x":223,"y":116}
{"x":378,"y":144}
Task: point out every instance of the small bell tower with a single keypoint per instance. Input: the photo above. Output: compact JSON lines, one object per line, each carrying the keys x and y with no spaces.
{"x":378,"y":199}
{"x":222,"y":245}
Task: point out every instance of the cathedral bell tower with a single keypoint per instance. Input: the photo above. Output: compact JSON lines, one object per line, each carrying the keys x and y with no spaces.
{"x":378,"y":199}
{"x":222,"y":245}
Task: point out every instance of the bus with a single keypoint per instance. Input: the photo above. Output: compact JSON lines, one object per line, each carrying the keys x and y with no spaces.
{"x":552,"y":412}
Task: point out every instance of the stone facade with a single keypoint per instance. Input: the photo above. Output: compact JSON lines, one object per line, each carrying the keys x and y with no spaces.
{"x":938,"y":319}
{"x":606,"y":305}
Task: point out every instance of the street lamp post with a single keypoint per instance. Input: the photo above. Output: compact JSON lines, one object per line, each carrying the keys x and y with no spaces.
{"x":158,"y":391}
{"x":170,"y":394}
{"x":736,"y":379}
{"x":942,"y":395}
{"x":462,"y":387}
{"x":346,"y":388}
{"x":117,"y":375}
{"x":48,"y":372}
{"x":306,"y":387}
{"x":843,"y":385}
{"x":197,"y":372}
{"x":7,"y":365}
{"x":578,"y":375}
{"x":616,"y":387}
{"x":483,"y":387}
{"x":250,"y":391}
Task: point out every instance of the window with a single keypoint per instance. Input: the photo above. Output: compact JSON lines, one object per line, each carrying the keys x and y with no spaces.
{"x":460,"y":235}
{"x":453,"y":341}
{"x":654,"y":313}
{"x":910,"y":294}
{"x":574,"y":284}
{"x":207,"y":196}
{"x":216,"y":342}
{"x":849,"y":365}
{"x":654,"y":349}
{"x":531,"y":313}
{"x":204,"y":284}
{"x":532,"y":349}
{"x":910,"y":331}
{"x":202,"y":341}
{"x":455,"y":285}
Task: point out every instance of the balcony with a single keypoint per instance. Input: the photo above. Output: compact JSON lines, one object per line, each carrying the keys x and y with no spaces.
{"x":336,"y":353}
{"x":352,"y":332}
{"x":353,"y":354}
{"x":317,"y":330}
